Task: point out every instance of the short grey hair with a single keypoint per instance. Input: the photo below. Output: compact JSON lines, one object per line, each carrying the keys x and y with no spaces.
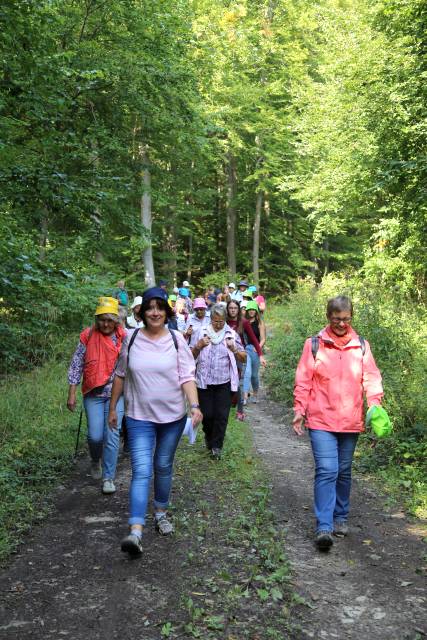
{"x":219,"y":309}
{"x":338,"y":304}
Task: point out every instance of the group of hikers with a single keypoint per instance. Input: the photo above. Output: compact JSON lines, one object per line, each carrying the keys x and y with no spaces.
{"x":176,"y":357}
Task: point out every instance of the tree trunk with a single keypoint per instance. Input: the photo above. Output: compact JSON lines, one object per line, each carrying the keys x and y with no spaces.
{"x":146,"y":218}
{"x":257,"y":228}
{"x":190,"y":256}
{"x":231,"y":213}
{"x":44,"y":232}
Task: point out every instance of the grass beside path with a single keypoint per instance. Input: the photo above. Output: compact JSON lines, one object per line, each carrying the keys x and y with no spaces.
{"x":241,"y":585}
{"x":37,"y":437}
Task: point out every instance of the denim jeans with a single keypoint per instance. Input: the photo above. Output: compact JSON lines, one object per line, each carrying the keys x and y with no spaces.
{"x":333,"y":455}
{"x":151,"y":445}
{"x":103,"y":442}
{"x":251,"y":376}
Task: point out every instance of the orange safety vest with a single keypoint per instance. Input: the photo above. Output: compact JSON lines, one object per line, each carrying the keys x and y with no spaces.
{"x":100,"y":357}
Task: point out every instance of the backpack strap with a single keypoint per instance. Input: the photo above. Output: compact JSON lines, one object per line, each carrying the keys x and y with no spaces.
{"x":315,"y":345}
{"x":174,"y":338}
{"x":131,"y":341}
{"x":133,"y":336}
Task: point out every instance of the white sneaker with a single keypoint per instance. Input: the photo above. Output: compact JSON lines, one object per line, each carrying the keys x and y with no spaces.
{"x":108,"y":486}
{"x":96,"y":470}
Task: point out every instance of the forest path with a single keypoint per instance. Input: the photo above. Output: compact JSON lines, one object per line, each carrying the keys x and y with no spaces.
{"x":371,"y":585}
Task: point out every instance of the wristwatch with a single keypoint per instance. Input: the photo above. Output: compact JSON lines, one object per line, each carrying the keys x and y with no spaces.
{"x":194,"y":406}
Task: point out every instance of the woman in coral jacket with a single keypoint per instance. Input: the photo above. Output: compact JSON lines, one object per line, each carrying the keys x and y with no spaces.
{"x":335,"y":370}
{"x":95,"y":359}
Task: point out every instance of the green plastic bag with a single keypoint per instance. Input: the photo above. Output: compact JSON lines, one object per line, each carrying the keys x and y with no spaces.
{"x":377,"y":418}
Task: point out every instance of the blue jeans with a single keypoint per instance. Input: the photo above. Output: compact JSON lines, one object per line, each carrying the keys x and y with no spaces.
{"x":151,"y":444}
{"x":333,"y":455}
{"x":251,"y":376}
{"x":103,"y":442}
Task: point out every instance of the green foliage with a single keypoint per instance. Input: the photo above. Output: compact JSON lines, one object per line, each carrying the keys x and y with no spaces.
{"x":397,"y":331}
{"x":42,"y":301}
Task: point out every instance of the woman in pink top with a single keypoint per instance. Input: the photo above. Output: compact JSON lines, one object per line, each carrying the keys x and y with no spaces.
{"x":156,"y":370}
{"x":335,"y":370}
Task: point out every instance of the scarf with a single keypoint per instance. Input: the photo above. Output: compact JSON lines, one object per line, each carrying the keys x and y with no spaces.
{"x":340,"y":341}
{"x":216,"y":336}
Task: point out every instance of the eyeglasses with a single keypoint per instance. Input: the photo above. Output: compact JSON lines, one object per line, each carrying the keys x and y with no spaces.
{"x":109,"y":320}
{"x":218,"y":321}
{"x":339,"y":320}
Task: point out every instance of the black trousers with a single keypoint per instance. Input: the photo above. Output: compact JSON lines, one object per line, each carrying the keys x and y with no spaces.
{"x":215,"y":404}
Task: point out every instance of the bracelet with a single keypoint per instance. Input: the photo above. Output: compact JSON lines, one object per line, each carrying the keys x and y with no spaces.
{"x":194,"y":406}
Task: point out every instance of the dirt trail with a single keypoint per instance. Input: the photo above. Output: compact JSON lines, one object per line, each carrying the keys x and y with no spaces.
{"x":371,"y":585}
{"x":71,"y":581}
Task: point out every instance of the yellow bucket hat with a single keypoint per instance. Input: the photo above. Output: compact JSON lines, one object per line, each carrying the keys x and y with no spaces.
{"x":107,"y":305}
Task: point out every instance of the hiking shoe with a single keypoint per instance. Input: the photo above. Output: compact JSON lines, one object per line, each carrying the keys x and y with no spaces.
{"x":132,"y":544}
{"x":108,"y":486}
{"x":216,"y":453}
{"x":240,"y":416}
{"x":96,"y":469}
{"x":163,"y":525}
{"x":340,"y":529}
{"x":324,"y":540}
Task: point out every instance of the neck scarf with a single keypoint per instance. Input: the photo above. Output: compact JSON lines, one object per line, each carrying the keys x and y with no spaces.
{"x":340,"y":341}
{"x":216,"y":336}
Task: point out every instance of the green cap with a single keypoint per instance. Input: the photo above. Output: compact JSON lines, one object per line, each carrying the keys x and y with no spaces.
{"x":172,"y":297}
{"x":252,"y":305}
{"x":377,"y":418}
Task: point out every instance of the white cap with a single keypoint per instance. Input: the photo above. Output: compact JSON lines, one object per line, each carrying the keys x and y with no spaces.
{"x":231,"y":285}
{"x":243,"y":303}
{"x":136,"y":302}
{"x":185,"y":283}
{"x":175,"y":290}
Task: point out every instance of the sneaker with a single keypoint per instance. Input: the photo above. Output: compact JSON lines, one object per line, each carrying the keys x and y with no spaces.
{"x":132,"y":544}
{"x":324,"y":540}
{"x":240,"y":416}
{"x":245,"y":402}
{"x":163,"y":525}
{"x":216,"y":453}
{"x":255,"y":399}
{"x":96,"y":470}
{"x":340,"y":529}
{"x":108,"y":486}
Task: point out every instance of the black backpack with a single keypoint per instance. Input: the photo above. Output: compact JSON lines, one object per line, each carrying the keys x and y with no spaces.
{"x":132,"y":340}
{"x":315,"y":345}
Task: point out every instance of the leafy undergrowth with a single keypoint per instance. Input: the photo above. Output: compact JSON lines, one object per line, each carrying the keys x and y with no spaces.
{"x":240,"y":585}
{"x":37,"y":437}
{"x":397,"y":335}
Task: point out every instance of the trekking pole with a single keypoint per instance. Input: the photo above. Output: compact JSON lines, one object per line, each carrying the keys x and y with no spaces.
{"x":78,"y":434}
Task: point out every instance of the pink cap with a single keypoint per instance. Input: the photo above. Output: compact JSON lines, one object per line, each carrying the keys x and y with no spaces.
{"x":199,"y":303}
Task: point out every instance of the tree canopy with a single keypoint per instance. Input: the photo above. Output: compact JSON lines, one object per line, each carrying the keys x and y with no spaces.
{"x":269,"y":138}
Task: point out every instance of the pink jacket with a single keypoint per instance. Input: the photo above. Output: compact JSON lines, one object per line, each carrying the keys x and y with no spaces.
{"x":329,"y":390}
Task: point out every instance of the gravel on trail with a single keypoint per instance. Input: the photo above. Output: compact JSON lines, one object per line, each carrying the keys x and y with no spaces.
{"x":371,"y":585}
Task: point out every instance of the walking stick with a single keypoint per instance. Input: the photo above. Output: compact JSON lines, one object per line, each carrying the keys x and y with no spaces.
{"x":78,"y":434}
